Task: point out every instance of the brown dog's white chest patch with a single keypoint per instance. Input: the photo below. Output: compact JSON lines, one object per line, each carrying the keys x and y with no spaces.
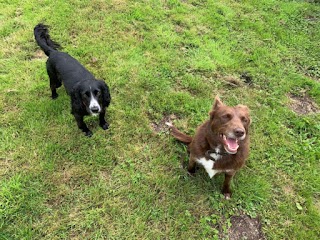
{"x":208,"y":166}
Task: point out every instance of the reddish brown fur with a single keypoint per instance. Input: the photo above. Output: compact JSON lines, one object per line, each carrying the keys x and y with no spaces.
{"x":223,"y":120}
{"x":180,"y":136}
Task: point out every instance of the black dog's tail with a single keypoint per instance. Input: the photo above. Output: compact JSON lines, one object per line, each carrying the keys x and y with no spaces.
{"x":41,"y":34}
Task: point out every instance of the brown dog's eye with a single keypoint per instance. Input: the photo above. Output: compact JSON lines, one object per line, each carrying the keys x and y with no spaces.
{"x":244,"y":119}
{"x":226,"y":117}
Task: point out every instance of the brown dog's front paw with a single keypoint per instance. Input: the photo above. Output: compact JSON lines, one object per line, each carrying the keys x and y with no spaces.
{"x":227,"y":196}
{"x":191,"y":169}
{"x":226,"y":193}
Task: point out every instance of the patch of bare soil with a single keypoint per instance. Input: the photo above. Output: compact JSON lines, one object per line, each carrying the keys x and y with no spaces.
{"x":237,"y":81}
{"x":39,"y":54}
{"x":161,"y":126}
{"x":232,"y":81}
{"x":244,"y":227}
{"x":303,"y":105}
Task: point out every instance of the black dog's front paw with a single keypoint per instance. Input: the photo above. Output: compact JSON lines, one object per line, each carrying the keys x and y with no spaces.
{"x":104,"y":126}
{"x":54,"y":96}
{"x":88,"y":133}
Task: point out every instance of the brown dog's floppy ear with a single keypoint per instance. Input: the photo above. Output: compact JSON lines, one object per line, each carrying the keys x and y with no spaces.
{"x":216,"y":104}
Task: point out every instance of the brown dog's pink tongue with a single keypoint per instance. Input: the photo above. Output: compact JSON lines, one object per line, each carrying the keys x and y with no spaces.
{"x":232,"y":144}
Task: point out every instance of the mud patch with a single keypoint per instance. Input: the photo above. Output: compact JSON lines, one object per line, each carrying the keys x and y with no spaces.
{"x":161,"y":126}
{"x":244,"y":227}
{"x":303,"y":105}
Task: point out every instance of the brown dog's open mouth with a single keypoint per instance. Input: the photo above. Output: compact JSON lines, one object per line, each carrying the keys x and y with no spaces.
{"x":230,"y":144}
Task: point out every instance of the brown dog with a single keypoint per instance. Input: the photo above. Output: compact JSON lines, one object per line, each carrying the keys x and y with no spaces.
{"x":221,"y":144}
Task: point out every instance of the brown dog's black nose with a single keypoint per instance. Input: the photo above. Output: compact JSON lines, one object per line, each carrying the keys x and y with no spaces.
{"x":239,"y":132}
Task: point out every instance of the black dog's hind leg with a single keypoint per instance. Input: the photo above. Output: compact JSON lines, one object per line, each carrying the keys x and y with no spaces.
{"x":54,"y":81}
{"x":82,"y":125}
{"x":102,"y":121}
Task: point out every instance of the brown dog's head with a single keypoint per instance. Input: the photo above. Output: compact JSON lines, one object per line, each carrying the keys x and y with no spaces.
{"x":229,"y":124}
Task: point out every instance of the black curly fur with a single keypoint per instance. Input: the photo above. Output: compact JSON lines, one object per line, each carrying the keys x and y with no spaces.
{"x":106,"y":98}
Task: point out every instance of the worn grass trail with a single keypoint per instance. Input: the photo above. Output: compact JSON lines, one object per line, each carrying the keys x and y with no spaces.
{"x":159,"y":58}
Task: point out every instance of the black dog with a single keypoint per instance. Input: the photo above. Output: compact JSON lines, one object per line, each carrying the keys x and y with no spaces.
{"x":88,"y":95}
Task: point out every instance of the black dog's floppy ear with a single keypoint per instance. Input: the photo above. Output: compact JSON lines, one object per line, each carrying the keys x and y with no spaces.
{"x":106,"y":98}
{"x":76,"y":99}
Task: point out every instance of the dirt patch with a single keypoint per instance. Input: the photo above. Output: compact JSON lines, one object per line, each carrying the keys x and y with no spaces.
{"x":5,"y":164}
{"x":232,"y":81}
{"x":244,"y":227}
{"x":288,"y":190}
{"x":161,"y":126}
{"x":179,"y":29}
{"x":39,"y":54}
{"x":237,"y":81}
{"x":247,"y":78}
{"x":303,"y":105}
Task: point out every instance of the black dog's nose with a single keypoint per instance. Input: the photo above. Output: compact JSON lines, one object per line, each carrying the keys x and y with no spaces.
{"x":94,"y":109}
{"x":239,"y":132}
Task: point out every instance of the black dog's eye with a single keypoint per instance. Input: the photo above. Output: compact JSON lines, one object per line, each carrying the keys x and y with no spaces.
{"x":86,"y":94}
{"x":96,"y":92}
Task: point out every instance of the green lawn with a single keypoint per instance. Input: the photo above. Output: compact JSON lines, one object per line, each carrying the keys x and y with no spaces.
{"x":159,"y":58}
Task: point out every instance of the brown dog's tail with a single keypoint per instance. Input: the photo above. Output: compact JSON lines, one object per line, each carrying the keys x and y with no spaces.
{"x":179,"y":135}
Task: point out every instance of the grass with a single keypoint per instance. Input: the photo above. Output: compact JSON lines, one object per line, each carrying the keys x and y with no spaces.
{"x":158,"y":58}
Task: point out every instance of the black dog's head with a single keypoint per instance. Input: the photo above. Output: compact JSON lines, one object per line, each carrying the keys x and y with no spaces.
{"x":90,"y":96}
